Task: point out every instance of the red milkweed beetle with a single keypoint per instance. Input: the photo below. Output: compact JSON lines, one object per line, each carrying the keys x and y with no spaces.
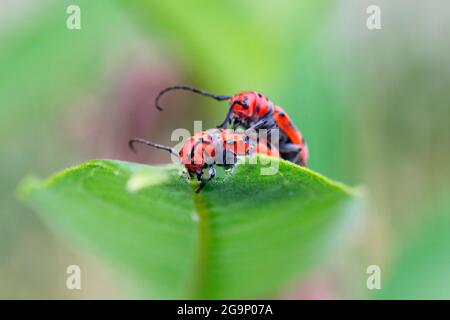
{"x":214,"y":147}
{"x":250,"y":107}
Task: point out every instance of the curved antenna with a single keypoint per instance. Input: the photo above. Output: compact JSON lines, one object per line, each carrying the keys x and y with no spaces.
{"x":151,"y":144}
{"x":187,"y":88}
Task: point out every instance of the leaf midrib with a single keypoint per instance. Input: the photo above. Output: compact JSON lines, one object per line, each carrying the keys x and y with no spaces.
{"x":203,"y":243}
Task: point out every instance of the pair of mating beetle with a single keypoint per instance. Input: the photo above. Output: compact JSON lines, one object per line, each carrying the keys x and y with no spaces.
{"x":250,"y":110}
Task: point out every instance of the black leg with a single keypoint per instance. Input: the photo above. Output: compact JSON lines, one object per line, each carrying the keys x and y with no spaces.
{"x":258,"y":125}
{"x":203,"y":181}
{"x":290,"y":147}
{"x":225,"y":122}
{"x":254,"y":127}
{"x":297,"y":159}
{"x":223,"y":125}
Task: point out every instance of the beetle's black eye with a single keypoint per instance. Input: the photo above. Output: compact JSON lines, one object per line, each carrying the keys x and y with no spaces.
{"x":244,"y":105}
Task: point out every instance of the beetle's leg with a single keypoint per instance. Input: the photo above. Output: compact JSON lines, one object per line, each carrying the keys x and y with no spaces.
{"x":258,"y":125}
{"x":227,"y":120}
{"x":290,"y":147}
{"x":297,"y":159}
{"x":251,"y":136}
{"x":212,"y":172}
{"x":199,"y":175}
{"x":294,"y":151}
{"x":203,"y":181}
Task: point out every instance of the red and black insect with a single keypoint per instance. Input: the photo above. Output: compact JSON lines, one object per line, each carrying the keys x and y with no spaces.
{"x":250,"y":108}
{"x":206,"y":149}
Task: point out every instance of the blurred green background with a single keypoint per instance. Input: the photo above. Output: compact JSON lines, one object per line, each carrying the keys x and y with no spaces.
{"x":373,"y":106}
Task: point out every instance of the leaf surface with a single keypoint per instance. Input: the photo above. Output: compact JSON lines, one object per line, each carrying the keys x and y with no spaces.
{"x":245,"y":235}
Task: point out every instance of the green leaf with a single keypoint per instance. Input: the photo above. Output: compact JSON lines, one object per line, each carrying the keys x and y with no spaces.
{"x":245,"y":235}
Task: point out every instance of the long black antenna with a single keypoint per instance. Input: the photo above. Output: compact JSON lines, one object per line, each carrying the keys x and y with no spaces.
{"x":151,"y":144}
{"x":187,"y":88}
